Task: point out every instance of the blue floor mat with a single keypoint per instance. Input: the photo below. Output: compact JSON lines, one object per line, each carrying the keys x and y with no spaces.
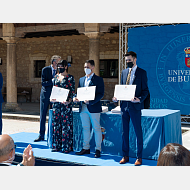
{"x":41,"y":150}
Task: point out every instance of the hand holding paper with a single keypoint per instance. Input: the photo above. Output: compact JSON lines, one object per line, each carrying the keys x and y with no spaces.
{"x":86,"y":93}
{"x":59,"y":94}
{"x":124,"y":92}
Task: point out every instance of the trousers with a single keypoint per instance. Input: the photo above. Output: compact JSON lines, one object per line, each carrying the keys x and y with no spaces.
{"x":88,"y":118}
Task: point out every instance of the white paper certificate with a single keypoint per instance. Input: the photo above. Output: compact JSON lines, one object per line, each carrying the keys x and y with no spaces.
{"x":60,"y":94}
{"x":124,"y":92}
{"x":86,"y":93}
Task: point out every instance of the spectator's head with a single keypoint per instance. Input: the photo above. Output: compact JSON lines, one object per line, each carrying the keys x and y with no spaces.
{"x":62,"y":64}
{"x":54,"y":60}
{"x":174,"y":154}
{"x":7,"y":149}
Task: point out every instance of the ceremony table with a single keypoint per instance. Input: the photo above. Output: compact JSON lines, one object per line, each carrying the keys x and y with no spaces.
{"x":159,"y":126}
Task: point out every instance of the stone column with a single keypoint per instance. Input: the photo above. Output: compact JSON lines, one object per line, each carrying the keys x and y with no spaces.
{"x":92,"y":31}
{"x":11,"y":83}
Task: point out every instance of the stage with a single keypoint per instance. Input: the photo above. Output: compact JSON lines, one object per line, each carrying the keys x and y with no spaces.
{"x":43,"y":152}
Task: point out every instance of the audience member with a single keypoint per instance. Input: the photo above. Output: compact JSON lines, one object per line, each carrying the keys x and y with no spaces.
{"x":174,"y":154}
{"x":7,"y":152}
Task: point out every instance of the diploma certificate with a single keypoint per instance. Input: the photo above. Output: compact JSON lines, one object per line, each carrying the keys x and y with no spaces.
{"x":86,"y":93}
{"x":60,"y":94}
{"x":124,"y":92}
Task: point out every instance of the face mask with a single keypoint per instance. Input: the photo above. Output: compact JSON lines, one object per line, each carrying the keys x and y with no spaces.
{"x":130,"y":64}
{"x":87,"y":71}
{"x":61,"y":70}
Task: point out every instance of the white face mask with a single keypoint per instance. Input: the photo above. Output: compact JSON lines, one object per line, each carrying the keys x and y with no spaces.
{"x":87,"y":71}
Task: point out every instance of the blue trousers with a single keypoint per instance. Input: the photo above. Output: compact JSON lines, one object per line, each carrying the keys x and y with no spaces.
{"x":135,"y":116}
{"x":1,"y":119}
{"x":44,"y":105}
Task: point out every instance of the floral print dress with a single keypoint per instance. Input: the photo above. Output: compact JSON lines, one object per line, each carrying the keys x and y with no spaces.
{"x":62,"y":118}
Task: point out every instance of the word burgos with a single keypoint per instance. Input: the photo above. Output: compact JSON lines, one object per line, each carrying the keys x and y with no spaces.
{"x":178,"y":75}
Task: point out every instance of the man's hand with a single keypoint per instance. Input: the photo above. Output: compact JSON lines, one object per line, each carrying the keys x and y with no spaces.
{"x":114,"y":99}
{"x":75,"y":100}
{"x":135,"y":100}
{"x":86,"y":101}
{"x":28,"y":157}
{"x":53,"y":100}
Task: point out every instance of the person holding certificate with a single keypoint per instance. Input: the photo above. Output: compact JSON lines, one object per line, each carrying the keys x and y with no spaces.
{"x":133,"y":75}
{"x":62,"y":118}
{"x":90,"y":109}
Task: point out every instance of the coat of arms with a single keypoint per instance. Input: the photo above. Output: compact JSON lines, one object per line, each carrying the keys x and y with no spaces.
{"x":187,"y":56}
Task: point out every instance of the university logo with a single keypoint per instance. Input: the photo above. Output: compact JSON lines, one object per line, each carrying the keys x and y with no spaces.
{"x":173,"y":69}
{"x":187,"y":56}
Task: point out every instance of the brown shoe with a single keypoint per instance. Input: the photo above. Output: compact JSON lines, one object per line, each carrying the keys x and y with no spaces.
{"x":138,"y":162}
{"x":83,"y":151}
{"x":124,"y":160}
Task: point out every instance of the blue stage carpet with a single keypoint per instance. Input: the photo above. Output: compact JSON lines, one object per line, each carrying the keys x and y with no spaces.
{"x":41,"y":150}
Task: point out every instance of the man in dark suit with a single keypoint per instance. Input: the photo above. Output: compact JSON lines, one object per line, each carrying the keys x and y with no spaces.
{"x":132,"y":109}
{"x":7,"y":152}
{"x":1,"y":101}
{"x":90,"y":110}
{"x":48,"y":74}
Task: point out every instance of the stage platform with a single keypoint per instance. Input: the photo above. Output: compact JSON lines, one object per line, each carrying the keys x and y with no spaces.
{"x":43,"y":152}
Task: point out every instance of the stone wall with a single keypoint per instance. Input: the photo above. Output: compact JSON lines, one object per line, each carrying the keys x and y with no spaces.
{"x":77,"y":46}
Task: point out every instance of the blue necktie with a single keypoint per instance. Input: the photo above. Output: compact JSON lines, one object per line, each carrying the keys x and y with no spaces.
{"x":54,"y":71}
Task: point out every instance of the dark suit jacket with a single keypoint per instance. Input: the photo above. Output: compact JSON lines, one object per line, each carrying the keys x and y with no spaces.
{"x":47,"y":83}
{"x":141,"y":86}
{"x":1,"y":85}
{"x":94,"y":106}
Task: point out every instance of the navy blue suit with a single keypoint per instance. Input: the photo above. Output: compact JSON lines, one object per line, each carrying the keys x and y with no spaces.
{"x":94,"y":106}
{"x":1,"y":101}
{"x":47,"y":85}
{"x":133,"y":110}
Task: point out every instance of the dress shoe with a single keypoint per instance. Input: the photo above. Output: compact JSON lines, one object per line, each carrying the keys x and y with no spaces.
{"x":83,"y":151}
{"x":97,"y":154}
{"x":40,"y":138}
{"x":124,"y":160}
{"x":138,"y":162}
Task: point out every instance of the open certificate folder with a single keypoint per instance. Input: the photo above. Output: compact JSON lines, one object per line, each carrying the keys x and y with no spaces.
{"x":124,"y":92}
{"x":86,"y":93}
{"x":60,"y":94}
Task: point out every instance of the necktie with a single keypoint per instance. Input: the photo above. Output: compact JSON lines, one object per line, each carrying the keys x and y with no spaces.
{"x":54,"y":71}
{"x":128,"y":77}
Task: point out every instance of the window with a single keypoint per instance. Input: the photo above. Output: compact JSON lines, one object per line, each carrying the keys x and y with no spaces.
{"x":38,"y":65}
{"x":109,"y":68}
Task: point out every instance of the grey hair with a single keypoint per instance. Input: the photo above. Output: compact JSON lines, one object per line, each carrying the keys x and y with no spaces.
{"x":55,"y":57}
{"x":6,"y":149}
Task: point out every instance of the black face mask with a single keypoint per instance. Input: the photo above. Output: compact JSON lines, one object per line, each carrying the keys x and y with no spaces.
{"x":61,"y":70}
{"x":130,"y":64}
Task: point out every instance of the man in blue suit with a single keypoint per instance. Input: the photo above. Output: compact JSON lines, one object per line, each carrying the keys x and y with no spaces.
{"x":48,"y":74}
{"x":1,"y":101}
{"x":90,"y":110}
{"x":133,"y":75}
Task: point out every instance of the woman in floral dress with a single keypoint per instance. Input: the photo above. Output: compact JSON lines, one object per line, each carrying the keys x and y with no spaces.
{"x":62,"y":118}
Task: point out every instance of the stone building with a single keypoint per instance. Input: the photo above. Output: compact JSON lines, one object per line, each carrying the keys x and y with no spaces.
{"x":25,"y":48}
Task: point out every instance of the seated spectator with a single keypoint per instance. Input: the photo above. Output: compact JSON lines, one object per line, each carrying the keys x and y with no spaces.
{"x":7,"y":152}
{"x":174,"y":154}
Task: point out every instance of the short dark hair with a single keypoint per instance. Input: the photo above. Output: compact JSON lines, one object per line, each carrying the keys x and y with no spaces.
{"x":63,"y":63}
{"x":91,"y":62}
{"x":174,"y":154}
{"x":132,"y":53}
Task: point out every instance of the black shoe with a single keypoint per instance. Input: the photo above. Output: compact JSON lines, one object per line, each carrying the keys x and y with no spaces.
{"x":40,"y":138}
{"x":83,"y":151}
{"x":97,"y":154}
